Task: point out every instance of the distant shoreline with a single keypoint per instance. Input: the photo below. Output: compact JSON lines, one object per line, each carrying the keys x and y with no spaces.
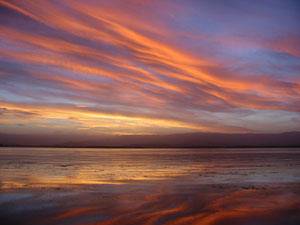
{"x":144,"y":147}
{"x":184,"y":140}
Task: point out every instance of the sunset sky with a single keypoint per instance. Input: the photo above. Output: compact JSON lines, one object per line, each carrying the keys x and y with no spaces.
{"x":149,"y":67}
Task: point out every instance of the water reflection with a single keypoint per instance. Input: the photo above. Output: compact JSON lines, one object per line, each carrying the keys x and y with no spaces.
{"x":36,"y":167}
{"x":201,"y":205}
{"x":149,"y":186}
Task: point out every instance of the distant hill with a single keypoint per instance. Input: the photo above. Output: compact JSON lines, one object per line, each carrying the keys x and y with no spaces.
{"x":188,"y":140}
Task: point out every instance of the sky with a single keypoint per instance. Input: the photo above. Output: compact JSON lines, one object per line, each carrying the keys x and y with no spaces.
{"x":149,"y":67}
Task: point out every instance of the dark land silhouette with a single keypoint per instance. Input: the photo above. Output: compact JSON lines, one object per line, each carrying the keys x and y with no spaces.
{"x":187,"y":140}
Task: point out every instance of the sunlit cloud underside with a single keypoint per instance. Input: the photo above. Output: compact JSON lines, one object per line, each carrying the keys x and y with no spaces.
{"x":148,"y":67}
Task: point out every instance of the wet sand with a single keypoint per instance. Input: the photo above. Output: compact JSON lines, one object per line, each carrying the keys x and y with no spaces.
{"x":144,"y":186}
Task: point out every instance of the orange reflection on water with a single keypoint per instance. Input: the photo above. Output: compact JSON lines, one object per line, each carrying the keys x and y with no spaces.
{"x":149,"y":186}
{"x":205,"y":207}
{"x":59,"y":167}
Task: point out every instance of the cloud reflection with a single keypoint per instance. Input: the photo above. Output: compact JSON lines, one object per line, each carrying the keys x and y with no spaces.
{"x":207,"y":207}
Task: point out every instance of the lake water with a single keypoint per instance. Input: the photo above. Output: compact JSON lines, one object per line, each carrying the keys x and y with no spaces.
{"x":149,"y":186}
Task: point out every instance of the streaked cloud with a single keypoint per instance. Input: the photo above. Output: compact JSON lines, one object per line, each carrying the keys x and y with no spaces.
{"x":150,"y":67}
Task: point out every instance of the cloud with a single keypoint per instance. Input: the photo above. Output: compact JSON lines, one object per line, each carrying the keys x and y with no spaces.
{"x":17,"y":113}
{"x":151,"y":61}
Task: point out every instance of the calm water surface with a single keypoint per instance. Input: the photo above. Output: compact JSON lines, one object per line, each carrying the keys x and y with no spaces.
{"x":42,"y":166}
{"x":49,"y":186}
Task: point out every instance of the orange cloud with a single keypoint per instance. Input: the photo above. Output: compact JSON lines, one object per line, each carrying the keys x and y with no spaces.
{"x":143,"y":66}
